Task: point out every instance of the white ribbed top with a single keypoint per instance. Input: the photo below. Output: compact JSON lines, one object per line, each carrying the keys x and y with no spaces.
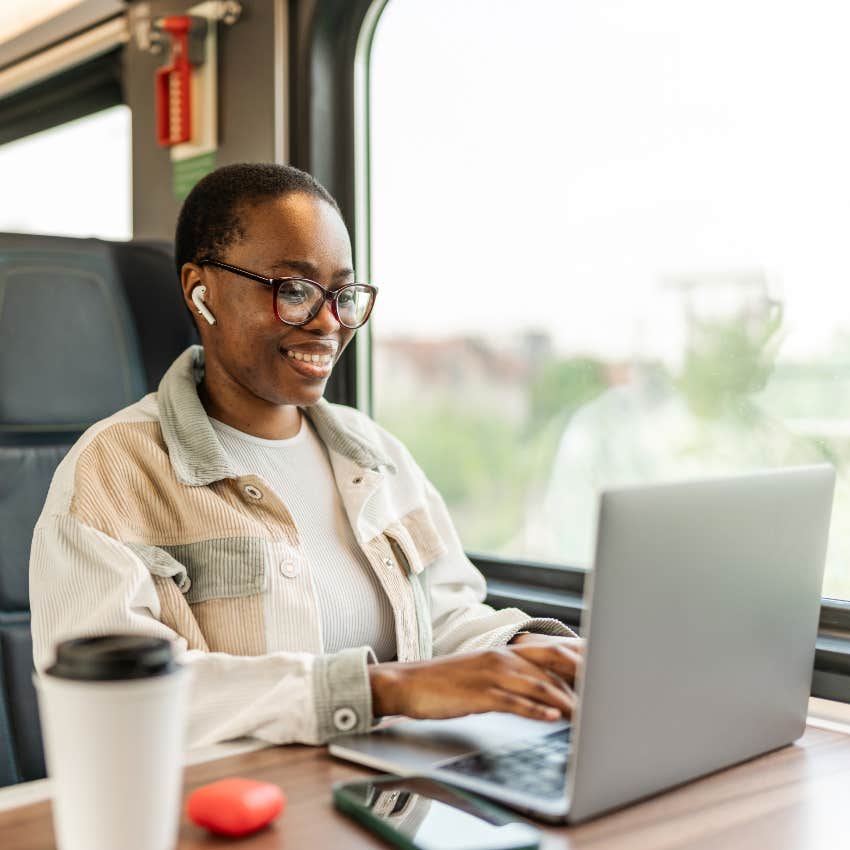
{"x":354,"y":610}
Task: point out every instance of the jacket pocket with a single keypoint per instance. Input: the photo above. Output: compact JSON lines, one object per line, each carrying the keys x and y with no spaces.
{"x":224,"y":568}
{"x":222,"y":583}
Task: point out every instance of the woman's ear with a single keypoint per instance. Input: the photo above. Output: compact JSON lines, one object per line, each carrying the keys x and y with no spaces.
{"x":190,"y":276}
{"x":196,"y":292}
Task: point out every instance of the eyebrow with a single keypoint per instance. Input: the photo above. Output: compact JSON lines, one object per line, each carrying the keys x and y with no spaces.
{"x":308,"y":269}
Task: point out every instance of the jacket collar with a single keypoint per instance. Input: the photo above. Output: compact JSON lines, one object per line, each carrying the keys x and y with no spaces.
{"x":195,"y":452}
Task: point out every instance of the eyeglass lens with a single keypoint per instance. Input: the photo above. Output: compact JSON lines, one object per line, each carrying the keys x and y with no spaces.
{"x":298,"y":301}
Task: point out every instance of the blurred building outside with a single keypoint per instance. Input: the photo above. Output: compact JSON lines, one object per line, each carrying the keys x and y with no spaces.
{"x":520,"y":438}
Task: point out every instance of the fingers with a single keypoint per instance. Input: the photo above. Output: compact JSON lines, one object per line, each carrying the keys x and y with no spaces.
{"x":524,"y":707}
{"x":558,"y":658}
{"x":513,"y":673}
{"x":540,"y":689}
{"x":559,"y":683}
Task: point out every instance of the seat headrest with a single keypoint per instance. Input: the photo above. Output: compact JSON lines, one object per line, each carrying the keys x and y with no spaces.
{"x":70,"y":353}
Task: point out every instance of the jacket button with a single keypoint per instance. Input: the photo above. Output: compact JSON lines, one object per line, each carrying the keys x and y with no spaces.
{"x":253,"y":492}
{"x":345,"y":719}
{"x":389,"y":563}
{"x":289,"y":569}
{"x":357,"y":480}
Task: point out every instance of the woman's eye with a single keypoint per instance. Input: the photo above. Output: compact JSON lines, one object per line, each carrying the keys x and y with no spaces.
{"x":293,"y":293}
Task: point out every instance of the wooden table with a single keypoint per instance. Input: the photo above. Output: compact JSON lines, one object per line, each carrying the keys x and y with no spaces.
{"x":797,"y":798}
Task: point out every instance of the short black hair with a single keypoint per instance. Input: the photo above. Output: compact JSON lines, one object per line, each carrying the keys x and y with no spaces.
{"x":209,"y":218}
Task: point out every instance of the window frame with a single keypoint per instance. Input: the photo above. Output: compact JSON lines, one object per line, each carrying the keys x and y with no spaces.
{"x":330,"y":41}
{"x":79,"y":91}
{"x":63,"y":68}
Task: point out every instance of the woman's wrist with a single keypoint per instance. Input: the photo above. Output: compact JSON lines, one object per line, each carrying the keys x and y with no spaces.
{"x":382,"y":681}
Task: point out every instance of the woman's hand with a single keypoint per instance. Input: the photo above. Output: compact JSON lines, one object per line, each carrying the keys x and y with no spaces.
{"x":529,"y":678}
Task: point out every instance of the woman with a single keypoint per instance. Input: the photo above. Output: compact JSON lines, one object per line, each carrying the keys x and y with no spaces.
{"x":291,"y":549}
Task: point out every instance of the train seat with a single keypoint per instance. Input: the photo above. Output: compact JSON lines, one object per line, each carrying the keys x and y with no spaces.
{"x":86,"y":327}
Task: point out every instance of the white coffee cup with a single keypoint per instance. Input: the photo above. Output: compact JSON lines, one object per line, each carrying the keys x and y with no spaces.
{"x":113,"y":714}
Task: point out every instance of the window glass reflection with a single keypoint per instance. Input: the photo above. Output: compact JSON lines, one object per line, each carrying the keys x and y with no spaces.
{"x":610,"y":241}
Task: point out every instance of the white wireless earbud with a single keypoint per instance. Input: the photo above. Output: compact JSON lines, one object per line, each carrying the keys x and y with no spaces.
{"x":198,"y":300}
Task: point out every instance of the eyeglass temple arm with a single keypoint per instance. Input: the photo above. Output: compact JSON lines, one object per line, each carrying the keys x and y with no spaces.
{"x":268,"y":281}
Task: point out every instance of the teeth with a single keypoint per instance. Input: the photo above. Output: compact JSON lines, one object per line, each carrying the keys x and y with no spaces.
{"x":322,"y":359}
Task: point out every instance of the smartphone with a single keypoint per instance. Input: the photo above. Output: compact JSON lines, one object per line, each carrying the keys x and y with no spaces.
{"x":417,"y":813}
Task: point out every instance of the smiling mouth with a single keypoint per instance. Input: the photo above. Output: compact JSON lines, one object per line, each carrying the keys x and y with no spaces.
{"x":304,"y":357}
{"x":308,"y":364}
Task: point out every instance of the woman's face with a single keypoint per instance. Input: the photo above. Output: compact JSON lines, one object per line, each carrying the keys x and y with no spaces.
{"x":297,"y":235}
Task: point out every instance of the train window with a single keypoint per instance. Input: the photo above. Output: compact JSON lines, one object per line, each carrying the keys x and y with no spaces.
{"x":610,"y":240}
{"x":70,"y":180}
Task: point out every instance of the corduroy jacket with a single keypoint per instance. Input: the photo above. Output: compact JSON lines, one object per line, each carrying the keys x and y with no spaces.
{"x":147,"y":530}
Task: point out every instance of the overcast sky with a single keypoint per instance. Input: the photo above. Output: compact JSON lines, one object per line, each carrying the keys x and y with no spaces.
{"x":549,"y":168}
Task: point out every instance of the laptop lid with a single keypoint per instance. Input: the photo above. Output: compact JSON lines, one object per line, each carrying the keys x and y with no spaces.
{"x":701,"y":622}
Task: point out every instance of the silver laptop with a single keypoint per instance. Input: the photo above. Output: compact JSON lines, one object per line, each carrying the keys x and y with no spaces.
{"x":701,"y":618}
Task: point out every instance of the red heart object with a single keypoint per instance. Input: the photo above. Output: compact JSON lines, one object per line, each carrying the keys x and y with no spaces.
{"x":235,"y":806}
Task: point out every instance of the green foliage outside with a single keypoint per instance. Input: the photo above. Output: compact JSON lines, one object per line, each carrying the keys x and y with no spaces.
{"x":562,"y":387}
{"x":490,"y":465}
{"x":477,"y":463}
{"x":484,"y":466}
{"x":725,"y":365}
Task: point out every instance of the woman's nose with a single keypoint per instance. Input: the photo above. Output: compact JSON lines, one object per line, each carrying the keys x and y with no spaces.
{"x":325,"y":320}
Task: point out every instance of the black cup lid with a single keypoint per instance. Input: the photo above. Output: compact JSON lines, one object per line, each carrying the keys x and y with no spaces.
{"x":113,"y":657}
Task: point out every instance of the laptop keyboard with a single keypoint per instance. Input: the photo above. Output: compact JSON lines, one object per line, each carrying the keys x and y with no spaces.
{"x":536,"y":767}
